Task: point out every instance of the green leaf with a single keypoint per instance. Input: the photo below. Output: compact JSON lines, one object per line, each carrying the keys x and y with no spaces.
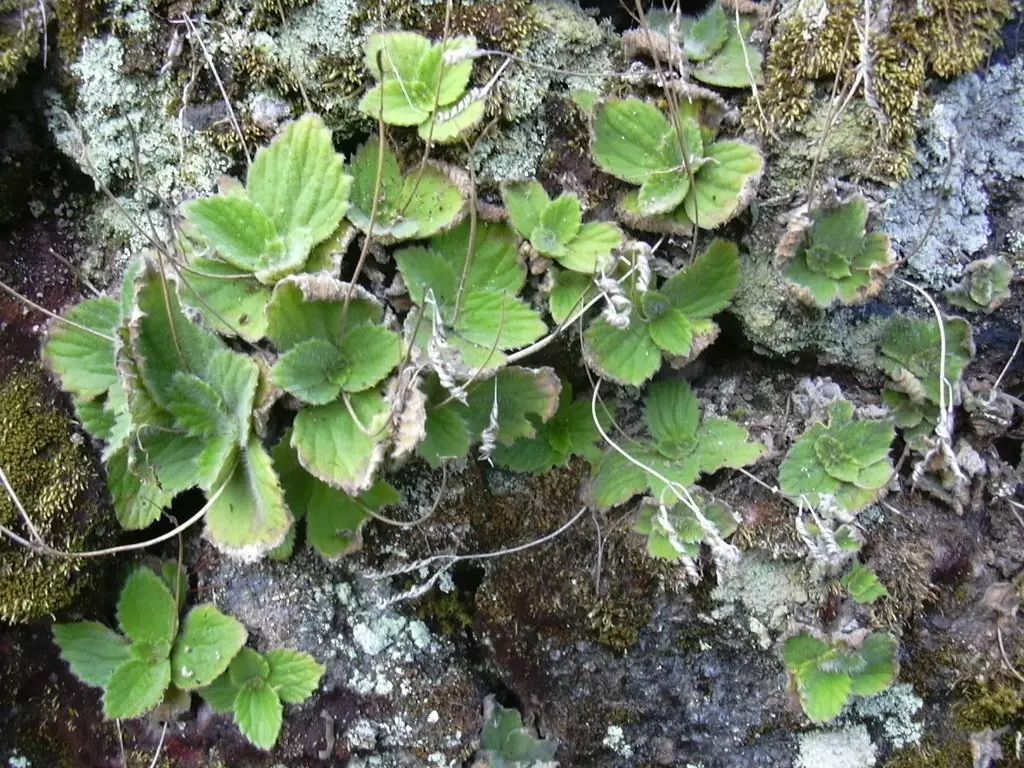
{"x":231,"y":301}
{"x":707,"y":286}
{"x":248,"y":666}
{"x":238,"y":230}
{"x":311,"y":307}
{"x":570,"y":294}
{"x":221,"y":695}
{"x":392,"y":103}
{"x":370,"y":353}
{"x":258,"y":714}
{"x":495,"y":264}
{"x":293,"y":674}
{"x":521,"y":393}
{"x":91,"y":650}
{"x":137,"y":502}
{"x":801,"y":650}
{"x":313,"y":371}
{"x":704,"y":35}
{"x":592,"y":248}
{"x":136,"y":687}
{"x":84,"y":361}
{"x":163,"y":340}
{"x":879,"y":672}
{"x":616,"y":480}
{"x":195,"y":405}
{"x":447,"y":434}
{"x":332,"y":446}
{"x":863,"y":585}
{"x":724,"y":184}
{"x":525,"y":202}
{"x":627,"y":356}
{"x":249,"y":517}
{"x":672,"y":332}
{"x":911,"y":354}
{"x":823,"y":694}
{"x":299,"y":181}
{"x":672,"y":412}
{"x":395,"y":54}
{"x":633,"y":140}
{"x":205,"y":647}
{"x":563,"y":216}
{"x":146,"y":610}
{"x":662,"y":192}
{"x":736,"y":65}
{"x":428,"y":200}
{"x":493,"y":320}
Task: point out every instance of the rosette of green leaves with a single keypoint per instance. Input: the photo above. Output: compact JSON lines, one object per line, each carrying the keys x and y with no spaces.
{"x":177,"y":412}
{"x":466,"y":286}
{"x":685,"y":176}
{"x":828,"y":675}
{"x":864,"y":585}
{"x":334,"y":353}
{"x":720,"y":52}
{"x":911,"y":355}
{"x":506,"y":743}
{"x":256,"y":686}
{"x":555,"y":228}
{"x":420,"y":203}
{"x":153,"y":659}
{"x":513,"y":404}
{"x":294,"y":200}
{"x":680,"y":446}
{"x":423,"y":84}
{"x":673,"y":531}
{"x":832,"y":257}
{"x":984,"y":287}
{"x":674,"y":320}
{"x":846,"y":460}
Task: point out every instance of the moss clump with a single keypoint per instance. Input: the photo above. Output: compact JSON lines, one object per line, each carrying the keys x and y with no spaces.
{"x":955,"y":754}
{"x":990,"y":706}
{"x":20,"y":39}
{"x":49,"y":468}
{"x":941,"y":37}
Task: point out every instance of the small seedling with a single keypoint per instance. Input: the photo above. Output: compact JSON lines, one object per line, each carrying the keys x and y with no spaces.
{"x":828,"y":675}
{"x":423,"y":84}
{"x":846,"y":461}
{"x":415,"y":205}
{"x":570,"y":432}
{"x":984,"y":287}
{"x":673,"y":531}
{"x":830,"y":257}
{"x":719,"y":52}
{"x":674,"y":321}
{"x":506,"y":743}
{"x":685,"y":178}
{"x":555,"y":229}
{"x":153,"y":659}
{"x":681,"y":448}
{"x":910,"y":355}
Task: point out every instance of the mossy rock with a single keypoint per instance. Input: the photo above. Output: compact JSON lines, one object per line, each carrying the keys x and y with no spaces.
{"x":48,"y":463}
{"x":20,"y":39}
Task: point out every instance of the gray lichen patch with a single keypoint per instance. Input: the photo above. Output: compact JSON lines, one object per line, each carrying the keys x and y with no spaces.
{"x":843,"y":748}
{"x":971,"y":149}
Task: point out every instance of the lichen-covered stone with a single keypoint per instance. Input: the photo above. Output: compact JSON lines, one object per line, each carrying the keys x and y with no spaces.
{"x":48,"y":464}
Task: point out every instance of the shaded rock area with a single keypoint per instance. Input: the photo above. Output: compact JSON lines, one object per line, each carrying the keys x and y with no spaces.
{"x":515,"y":588}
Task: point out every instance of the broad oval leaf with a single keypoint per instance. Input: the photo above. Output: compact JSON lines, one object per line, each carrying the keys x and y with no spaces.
{"x":92,"y":650}
{"x":293,"y":674}
{"x":629,"y":140}
{"x":627,"y":356}
{"x":205,"y":647}
{"x":258,"y":714}
{"x":146,"y":609}
{"x":136,"y":687}
{"x":83,"y":360}
{"x":725,"y":184}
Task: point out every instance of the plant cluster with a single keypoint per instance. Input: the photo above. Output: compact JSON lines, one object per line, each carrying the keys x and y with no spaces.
{"x":830,"y":256}
{"x":686,"y":177}
{"x":507,"y":743}
{"x":157,"y":660}
{"x":827,"y":675}
{"x":711,"y":47}
{"x":985,"y":285}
